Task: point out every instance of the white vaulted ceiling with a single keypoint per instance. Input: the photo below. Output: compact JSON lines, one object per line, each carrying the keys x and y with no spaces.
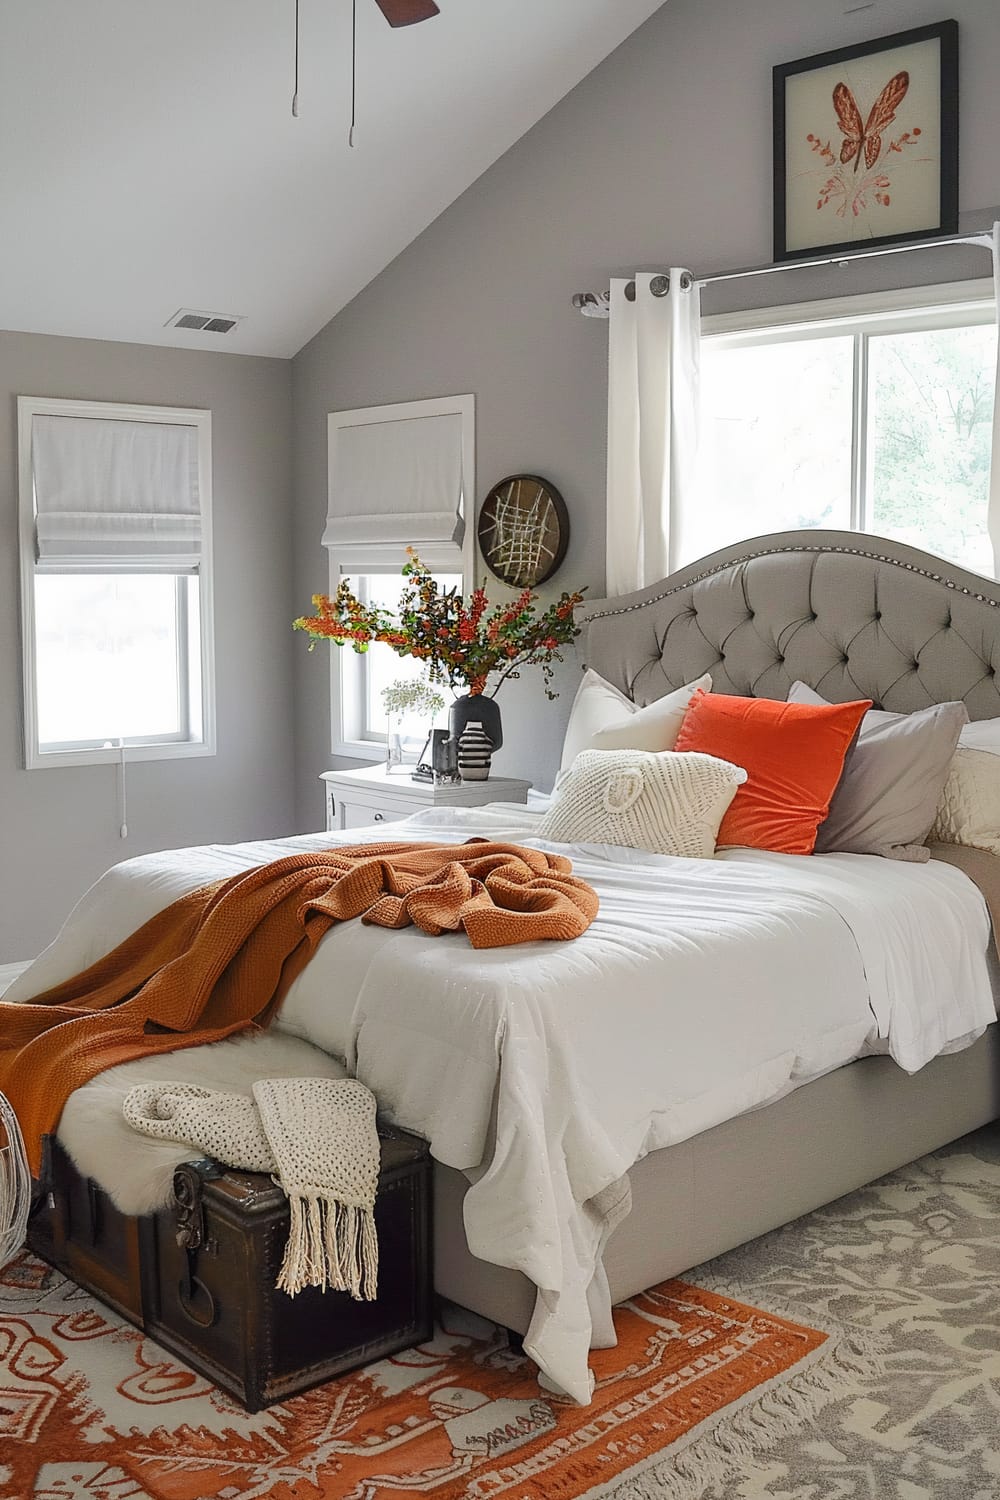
{"x":149,"y":160}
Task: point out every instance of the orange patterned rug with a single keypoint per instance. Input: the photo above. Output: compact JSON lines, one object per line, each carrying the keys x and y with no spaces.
{"x":93,"y":1410}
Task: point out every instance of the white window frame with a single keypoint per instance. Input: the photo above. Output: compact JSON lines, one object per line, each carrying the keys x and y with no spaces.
{"x":353,"y":667}
{"x":354,"y":559}
{"x":960,"y":304}
{"x":28,"y":407}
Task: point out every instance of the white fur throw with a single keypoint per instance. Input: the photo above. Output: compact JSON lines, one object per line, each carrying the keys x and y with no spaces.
{"x":137,"y":1171}
{"x":318,"y":1136}
{"x":668,"y":802}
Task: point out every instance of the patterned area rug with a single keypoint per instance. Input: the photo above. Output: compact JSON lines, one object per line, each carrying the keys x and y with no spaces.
{"x":89,"y":1407}
{"x":914,"y":1259}
{"x":873,"y":1373}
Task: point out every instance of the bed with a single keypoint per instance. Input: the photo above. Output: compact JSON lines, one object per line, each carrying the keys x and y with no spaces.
{"x":854,"y":617}
{"x":546,"y":1120}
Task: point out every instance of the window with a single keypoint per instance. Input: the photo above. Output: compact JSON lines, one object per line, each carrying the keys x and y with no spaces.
{"x":380,"y":665}
{"x":870,"y":419}
{"x":398,"y":477}
{"x":115,"y":581}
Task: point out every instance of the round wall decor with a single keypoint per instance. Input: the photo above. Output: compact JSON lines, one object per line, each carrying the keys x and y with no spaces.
{"x":523,"y":530}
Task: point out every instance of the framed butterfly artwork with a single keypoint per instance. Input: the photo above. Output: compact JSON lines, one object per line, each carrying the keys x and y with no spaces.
{"x":866,"y":144}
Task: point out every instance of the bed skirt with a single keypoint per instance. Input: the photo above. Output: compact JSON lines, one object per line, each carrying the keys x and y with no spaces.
{"x":693,"y":1201}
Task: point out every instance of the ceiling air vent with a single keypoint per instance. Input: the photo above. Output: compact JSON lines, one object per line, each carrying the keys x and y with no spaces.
{"x":202,"y":322}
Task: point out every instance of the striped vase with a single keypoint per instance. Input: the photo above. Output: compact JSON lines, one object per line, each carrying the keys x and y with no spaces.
{"x":475,"y":752}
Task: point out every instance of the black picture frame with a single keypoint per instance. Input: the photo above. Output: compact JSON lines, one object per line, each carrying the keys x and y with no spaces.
{"x":799,"y":184}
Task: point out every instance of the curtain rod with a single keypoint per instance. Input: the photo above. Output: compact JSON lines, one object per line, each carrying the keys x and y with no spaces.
{"x":596,"y":304}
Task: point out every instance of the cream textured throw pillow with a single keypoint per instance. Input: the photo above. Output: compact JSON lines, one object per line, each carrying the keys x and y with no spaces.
{"x":666,"y":802}
{"x":602,"y":718}
{"x":969,"y":809}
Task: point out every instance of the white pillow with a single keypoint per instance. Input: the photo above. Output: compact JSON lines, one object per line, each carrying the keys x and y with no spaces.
{"x":981,"y":734}
{"x":969,"y":809}
{"x":669,"y":802}
{"x":602,"y":718}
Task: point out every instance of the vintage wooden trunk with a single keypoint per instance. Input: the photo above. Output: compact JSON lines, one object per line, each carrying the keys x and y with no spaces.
{"x":200,"y":1277}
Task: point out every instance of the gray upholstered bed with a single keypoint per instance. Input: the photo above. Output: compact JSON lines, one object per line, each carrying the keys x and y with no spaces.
{"x":853,"y":616}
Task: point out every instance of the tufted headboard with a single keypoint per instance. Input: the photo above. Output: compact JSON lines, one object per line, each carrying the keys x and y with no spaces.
{"x":854,"y":616}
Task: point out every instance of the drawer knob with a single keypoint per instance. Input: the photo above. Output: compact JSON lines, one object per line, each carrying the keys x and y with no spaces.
{"x":378,"y":818}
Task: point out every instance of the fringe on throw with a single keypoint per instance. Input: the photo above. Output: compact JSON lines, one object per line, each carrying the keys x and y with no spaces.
{"x":15,"y":1184}
{"x":710,"y":1461}
{"x":330,"y":1245}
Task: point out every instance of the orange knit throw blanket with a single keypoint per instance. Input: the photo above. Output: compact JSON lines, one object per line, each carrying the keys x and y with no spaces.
{"x":220,"y":959}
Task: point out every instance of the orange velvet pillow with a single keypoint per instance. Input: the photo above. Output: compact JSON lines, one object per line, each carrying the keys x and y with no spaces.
{"x":793,"y":754}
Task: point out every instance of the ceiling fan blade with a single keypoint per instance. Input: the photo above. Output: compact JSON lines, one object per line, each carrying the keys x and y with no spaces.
{"x":407,"y":12}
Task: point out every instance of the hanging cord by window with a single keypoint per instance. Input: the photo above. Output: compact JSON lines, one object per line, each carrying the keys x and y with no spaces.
{"x":122,"y":791}
{"x":354,"y":68}
{"x":295,"y":95}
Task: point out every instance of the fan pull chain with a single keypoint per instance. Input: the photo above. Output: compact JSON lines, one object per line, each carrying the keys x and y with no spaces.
{"x":295,"y":95}
{"x":354,"y":68}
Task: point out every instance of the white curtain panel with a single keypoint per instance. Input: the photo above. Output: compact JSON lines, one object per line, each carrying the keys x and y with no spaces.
{"x":653,"y":364}
{"x":993,"y":514}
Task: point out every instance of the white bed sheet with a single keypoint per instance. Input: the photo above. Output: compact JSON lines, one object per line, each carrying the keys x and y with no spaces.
{"x":702,"y":989}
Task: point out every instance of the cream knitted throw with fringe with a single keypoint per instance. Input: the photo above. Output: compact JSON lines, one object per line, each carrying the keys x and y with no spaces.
{"x":318,"y":1138}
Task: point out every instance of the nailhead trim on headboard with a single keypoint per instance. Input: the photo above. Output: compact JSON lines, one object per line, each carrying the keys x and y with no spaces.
{"x":735,"y":562}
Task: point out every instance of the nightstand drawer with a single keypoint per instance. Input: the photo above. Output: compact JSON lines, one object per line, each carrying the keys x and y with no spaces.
{"x":357,"y":815}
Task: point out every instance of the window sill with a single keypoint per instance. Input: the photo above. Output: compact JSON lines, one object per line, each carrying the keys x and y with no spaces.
{"x":38,"y":760}
{"x":372,"y":750}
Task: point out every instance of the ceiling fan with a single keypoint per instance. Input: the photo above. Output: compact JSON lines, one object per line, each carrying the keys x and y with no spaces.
{"x":396,"y":12}
{"x":407,"y":12}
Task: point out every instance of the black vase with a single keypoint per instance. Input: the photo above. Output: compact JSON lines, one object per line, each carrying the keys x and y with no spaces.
{"x":476,"y":708}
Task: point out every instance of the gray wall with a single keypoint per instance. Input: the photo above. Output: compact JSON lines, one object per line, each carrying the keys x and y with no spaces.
{"x":59,"y":828}
{"x":662,"y":155}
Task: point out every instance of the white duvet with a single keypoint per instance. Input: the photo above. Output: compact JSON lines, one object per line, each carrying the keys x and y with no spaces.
{"x":703,"y":988}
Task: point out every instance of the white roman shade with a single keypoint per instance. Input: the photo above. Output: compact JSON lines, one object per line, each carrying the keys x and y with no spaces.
{"x":115,"y":495}
{"x":396,"y":481}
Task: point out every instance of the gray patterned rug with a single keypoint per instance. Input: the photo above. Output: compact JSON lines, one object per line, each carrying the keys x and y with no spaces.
{"x":914,"y":1262}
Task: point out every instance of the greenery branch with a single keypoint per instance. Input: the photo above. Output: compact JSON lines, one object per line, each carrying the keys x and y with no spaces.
{"x":406,"y":696}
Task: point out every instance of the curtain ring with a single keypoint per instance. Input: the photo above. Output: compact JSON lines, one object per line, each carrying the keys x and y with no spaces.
{"x":630,"y":291}
{"x":687,"y":281}
{"x":660,"y":286}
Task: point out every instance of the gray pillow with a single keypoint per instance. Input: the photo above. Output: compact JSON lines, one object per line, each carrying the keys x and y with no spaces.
{"x":888,"y":795}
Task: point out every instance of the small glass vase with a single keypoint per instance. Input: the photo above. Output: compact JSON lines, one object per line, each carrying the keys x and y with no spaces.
{"x":394,"y":762}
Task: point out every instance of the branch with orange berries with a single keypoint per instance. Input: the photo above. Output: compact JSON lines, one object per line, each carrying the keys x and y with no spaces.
{"x":462,"y":642}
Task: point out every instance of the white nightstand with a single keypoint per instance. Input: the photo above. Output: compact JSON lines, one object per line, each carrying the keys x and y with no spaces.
{"x":355,"y":799}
